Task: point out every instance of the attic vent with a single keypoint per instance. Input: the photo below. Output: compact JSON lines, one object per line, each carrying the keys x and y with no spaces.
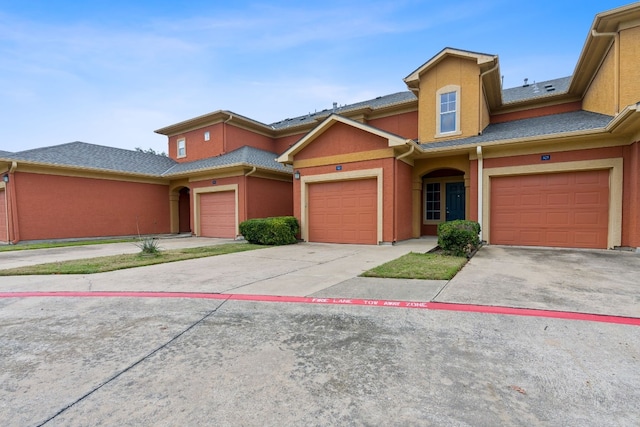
{"x":549,"y":88}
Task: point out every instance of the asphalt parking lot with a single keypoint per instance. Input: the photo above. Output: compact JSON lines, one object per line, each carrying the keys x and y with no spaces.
{"x":204,"y":356}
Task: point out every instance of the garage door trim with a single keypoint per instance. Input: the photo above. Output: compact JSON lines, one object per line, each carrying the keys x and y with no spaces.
{"x":217,"y":189}
{"x":339,"y":176}
{"x":614,"y":165}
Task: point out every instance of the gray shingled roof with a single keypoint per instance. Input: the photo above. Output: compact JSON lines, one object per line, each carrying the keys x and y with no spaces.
{"x":84,"y":155}
{"x":5,"y":153}
{"x":516,"y":94}
{"x":379,"y":102}
{"x":536,"y":90}
{"x":244,"y":155}
{"x":81,"y":154}
{"x":525,"y":128}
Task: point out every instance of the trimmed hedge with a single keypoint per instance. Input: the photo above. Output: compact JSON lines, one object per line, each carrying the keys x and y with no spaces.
{"x":281,"y":230}
{"x":459,"y":237}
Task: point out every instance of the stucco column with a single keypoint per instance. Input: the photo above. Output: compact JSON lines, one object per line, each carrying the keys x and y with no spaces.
{"x":174,"y":211}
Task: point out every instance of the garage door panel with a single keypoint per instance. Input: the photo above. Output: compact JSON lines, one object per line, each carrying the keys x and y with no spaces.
{"x":218,"y":214}
{"x":558,"y":199}
{"x":591,"y":198}
{"x":573,"y":209}
{"x":556,"y":219}
{"x":343,"y":212}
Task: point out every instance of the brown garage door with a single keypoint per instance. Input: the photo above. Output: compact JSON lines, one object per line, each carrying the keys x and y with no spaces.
{"x":218,"y":214}
{"x":562,"y":210}
{"x":3,"y":217}
{"x":343,"y":212}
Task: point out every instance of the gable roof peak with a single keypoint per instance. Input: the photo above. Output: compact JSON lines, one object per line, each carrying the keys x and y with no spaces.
{"x":486,"y":59}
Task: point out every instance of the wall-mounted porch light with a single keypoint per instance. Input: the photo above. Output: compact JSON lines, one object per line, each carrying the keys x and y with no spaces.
{"x":5,"y":178}
{"x":296,"y":175}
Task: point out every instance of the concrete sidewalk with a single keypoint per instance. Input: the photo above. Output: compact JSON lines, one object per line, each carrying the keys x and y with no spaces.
{"x":22,"y":258}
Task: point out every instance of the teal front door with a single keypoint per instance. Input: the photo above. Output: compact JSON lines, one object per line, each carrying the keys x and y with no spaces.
{"x":455,"y":201}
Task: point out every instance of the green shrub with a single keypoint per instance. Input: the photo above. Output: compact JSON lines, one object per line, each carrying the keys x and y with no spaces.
{"x":148,"y":246}
{"x":281,"y":230}
{"x":459,"y":237}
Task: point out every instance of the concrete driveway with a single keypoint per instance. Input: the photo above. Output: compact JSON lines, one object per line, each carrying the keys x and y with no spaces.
{"x":190,"y":359}
{"x":586,"y":281}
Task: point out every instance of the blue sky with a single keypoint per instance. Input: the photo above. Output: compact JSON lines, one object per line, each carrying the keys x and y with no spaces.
{"x":111,"y":72}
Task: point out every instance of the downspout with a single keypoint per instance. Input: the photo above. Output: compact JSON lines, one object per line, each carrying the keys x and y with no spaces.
{"x":246,"y":191}
{"x":6,"y":209}
{"x":224,"y":133}
{"x":408,"y":153}
{"x":12,"y":214}
{"x":616,"y":62}
{"x":480,"y":129}
{"x":480,"y":167}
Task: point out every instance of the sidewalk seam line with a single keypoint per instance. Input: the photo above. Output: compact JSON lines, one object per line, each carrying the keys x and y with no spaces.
{"x":133,"y":365}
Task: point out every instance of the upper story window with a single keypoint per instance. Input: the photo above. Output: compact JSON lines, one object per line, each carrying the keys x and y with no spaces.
{"x":448,"y":107}
{"x":448,"y":112}
{"x":182,"y":148}
{"x":207,"y":136}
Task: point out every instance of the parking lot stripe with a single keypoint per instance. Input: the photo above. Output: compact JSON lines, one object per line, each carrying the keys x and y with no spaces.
{"x":426,"y":305}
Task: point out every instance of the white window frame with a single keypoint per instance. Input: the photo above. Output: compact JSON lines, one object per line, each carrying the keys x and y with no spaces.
{"x":442,"y":91}
{"x":181,"y":145}
{"x":207,"y":135}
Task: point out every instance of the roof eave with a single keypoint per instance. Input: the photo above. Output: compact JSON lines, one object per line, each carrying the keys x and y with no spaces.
{"x":212,"y":119}
{"x":437,"y":152}
{"x":88,"y":169}
{"x":413,"y":79}
{"x":599,"y":41}
{"x":222,"y":168}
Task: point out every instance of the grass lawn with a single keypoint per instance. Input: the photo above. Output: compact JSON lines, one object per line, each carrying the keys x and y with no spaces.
{"x":47,"y":245}
{"x":119,"y":262}
{"x":429,"y":266}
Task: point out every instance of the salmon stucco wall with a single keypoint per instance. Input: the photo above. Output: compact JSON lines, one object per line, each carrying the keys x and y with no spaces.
{"x":405,"y":125}
{"x":284,"y":143}
{"x":267,"y":198}
{"x":237,"y":138}
{"x":4,"y":220}
{"x":196,"y":145}
{"x":404,"y":200}
{"x":557,"y":157}
{"x":54,"y":207}
{"x":341,"y":139}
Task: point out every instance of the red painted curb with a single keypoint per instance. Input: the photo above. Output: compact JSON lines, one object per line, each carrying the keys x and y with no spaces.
{"x":470,"y":308}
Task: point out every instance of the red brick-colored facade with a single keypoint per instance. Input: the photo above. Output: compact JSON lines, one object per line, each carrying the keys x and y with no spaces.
{"x":60,"y":207}
{"x":425,"y":172}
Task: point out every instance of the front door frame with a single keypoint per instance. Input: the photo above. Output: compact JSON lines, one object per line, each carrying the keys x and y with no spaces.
{"x":454,"y":195}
